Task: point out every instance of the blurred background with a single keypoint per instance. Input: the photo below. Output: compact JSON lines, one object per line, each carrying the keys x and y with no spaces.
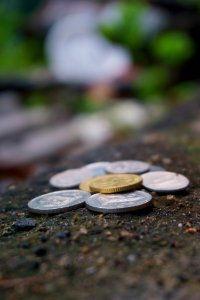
{"x":78,"y":74}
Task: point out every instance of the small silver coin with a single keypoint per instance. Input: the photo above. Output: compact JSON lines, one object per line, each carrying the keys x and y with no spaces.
{"x":155,"y":168}
{"x":118,"y":203}
{"x":58,"y":202}
{"x":70,"y":178}
{"x":164,"y":182}
{"x":98,"y":168}
{"x":127,"y":167}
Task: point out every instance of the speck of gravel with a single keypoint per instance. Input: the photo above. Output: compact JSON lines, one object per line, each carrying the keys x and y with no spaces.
{"x":24,"y":224}
{"x":40,"y":251}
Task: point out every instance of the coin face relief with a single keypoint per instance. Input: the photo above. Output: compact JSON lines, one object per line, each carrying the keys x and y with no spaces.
{"x":98,"y":168}
{"x":70,"y":178}
{"x":164,"y":181}
{"x":57,"y":202}
{"x":127,"y":167}
{"x":115,"y":183}
{"x":116,"y":203}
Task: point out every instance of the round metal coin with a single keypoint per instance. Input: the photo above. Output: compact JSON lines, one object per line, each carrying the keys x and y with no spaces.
{"x":115,"y":183}
{"x":98,"y":168}
{"x":164,"y":182}
{"x":85,"y":186}
{"x":117,"y":203}
{"x":58,"y":202}
{"x":127,"y":167}
{"x":155,"y":168}
{"x":70,"y":178}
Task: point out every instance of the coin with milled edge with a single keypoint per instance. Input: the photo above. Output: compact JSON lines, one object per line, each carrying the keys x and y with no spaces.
{"x":118,"y":203}
{"x":115,"y":183}
{"x":98,"y":168}
{"x":164,"y":182}
{"x":127,"y":167}
{"x":58,"y":202}
{"x":155,"y":168}
{"x":70,"y":178}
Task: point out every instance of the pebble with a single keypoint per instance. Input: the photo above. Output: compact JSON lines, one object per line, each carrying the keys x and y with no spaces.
{"x":63,"y":235}
{"x":131,"y":258}
{"x":85,"y":250}
{"x":167,"y":161}
{"x":64,"y":261}
{"x":124,"y":234}
{"x":90,"y":270}
{"x":43,"y":229}
{"x":191,"y":230}
{"x":24,"y":224}
{"x":40,"y":251}
{"x":44,"y":238}
{"x":25,"y":244}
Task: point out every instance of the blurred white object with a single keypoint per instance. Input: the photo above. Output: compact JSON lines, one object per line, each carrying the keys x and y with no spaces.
{"x":110,"y":14}
{"x":128,"y":114}
{"x":53,"y":10}
{"x":9,"y":102}
{"x":93,"y":130}
{"x":22,"y":120}
{"x":153,"y":20}
{"x":78,"y":54}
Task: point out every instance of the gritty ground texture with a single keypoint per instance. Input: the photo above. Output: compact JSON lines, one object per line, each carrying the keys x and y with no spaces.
{"x":151,"y":254}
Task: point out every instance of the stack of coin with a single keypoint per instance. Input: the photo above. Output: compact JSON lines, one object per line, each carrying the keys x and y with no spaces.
{"x":115,"y":185}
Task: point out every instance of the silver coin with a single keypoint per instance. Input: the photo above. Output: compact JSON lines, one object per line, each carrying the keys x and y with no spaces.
{"x":128,"y":166}
{"x":164,"y":182}
{"x":98,"y":168}
{"x":70,"y":178}
{"x":58,"y":202}
{"x":155,"y":168}
{"x":117,"y":203}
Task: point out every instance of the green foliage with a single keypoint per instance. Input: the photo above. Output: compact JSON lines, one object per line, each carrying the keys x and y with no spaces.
{"x":84,"y":105}
{"x":184,"y":90}
{"x":151,"y":82}
{"x":132,"y":34}
{"x":128,"y":30}
{"x":173,"y":47}
{"x":36,"y":99}
{"x":18,"y":52}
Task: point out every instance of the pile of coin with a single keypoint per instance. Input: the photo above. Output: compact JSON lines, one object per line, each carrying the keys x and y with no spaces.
{"x":107,"y":187}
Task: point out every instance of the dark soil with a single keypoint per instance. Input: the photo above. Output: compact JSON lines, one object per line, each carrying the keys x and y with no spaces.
{"x":151,"y":254}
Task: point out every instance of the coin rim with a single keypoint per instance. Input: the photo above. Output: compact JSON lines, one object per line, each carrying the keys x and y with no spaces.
{"x":119,"y":210}
{"x":56,"y":210}
{"x":121,"y":161}
{"x":85,"y":183}
{"x":108,"y":190}
{"x":169,"y":190}
{"x":68,"y":186}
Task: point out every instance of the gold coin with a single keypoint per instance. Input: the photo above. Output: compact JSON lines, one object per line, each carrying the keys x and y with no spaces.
{"x":85,"y":186}
{"x":109,"y":184}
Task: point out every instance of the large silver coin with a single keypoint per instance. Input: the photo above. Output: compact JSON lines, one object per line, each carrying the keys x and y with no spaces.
{"x":128,"y":166}
{"x":164,"y":182}
{"x":58,"y":202}
{"x":70,"y":178}
{"x":117,"y":203}
{"x":98,"y":168}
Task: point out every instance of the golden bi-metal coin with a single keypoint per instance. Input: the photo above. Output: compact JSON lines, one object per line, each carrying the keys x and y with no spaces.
{"x":108,"y":184}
